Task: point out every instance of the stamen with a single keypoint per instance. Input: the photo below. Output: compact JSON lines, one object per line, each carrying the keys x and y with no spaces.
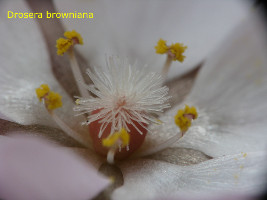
{"x":177,"y":51}
{"x":63,"y":45}
{"x":77,"y":74}
{"x":161,"y":47}
{"x":70,"y":132}
{"x":184,"y":117}
{"x":183,"y":120}
{"x":66,"y":45}
{"x":42,"y":91}
{"x":174,"y":53}
{"x":111,"y":156}
{"x":116,"y":140}
{"x":77,"y":101}
{"x":121,"y":138}
{"x":73,"y":35}
{"x":52,"y":101}
{"x":166,"y":66}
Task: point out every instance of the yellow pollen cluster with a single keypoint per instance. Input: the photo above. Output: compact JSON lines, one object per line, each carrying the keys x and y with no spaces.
{"x":74,"y":35}
{"x":175,"y":50}
{"x":184,"y":117}
{"x":122,"y":136}
{"x":52,"y":100}
{"x":64,"y":44}
{"x":42,"y":91}
{"x":178,"y":49}
{"x":77,"y":101}
{"x":161,"y":47}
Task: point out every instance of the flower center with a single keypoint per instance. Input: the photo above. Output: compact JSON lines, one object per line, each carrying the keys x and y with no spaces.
{"x":121,"y":102}
{"x":121,"y":151}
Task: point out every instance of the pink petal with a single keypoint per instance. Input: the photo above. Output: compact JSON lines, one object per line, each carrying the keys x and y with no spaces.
{"x":31,"y":168}
{"x":210,"y":197}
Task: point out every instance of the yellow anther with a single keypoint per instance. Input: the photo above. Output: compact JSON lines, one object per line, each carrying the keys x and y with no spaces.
{"x":159,"y":121}
{"x":118,"y":138}
{"x":177,"y":50}
{"x":74,"y":35}
{"x":161,"y":47}
{"x":184,"y":117}
{"x":51,"y":99}
{"x":42,"y":91}
{"x":125,"y":137}
{"x":63,"y":45}
{"x":77,"y":101}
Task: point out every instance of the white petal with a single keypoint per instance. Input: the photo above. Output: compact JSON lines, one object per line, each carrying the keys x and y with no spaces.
{"x":25,"y":65}
{"x":5,"y":117}
{"x":32,"y":168}
{"x":132,"y":28}
{"x":148,"y":179}
{"x":230,"y":94}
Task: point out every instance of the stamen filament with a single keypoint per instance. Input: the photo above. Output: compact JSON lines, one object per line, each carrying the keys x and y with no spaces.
{"x":52,"y":101}
{"x":174,"y":53}
{"x":67,"y":129}
{"x":166,"y":67}
{"x":77,"y":74}
{"x":183,"y":120}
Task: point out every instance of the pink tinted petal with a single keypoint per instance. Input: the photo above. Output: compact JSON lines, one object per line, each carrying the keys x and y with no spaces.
{"x":34,"y":169}
{"x":209,"y":197}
